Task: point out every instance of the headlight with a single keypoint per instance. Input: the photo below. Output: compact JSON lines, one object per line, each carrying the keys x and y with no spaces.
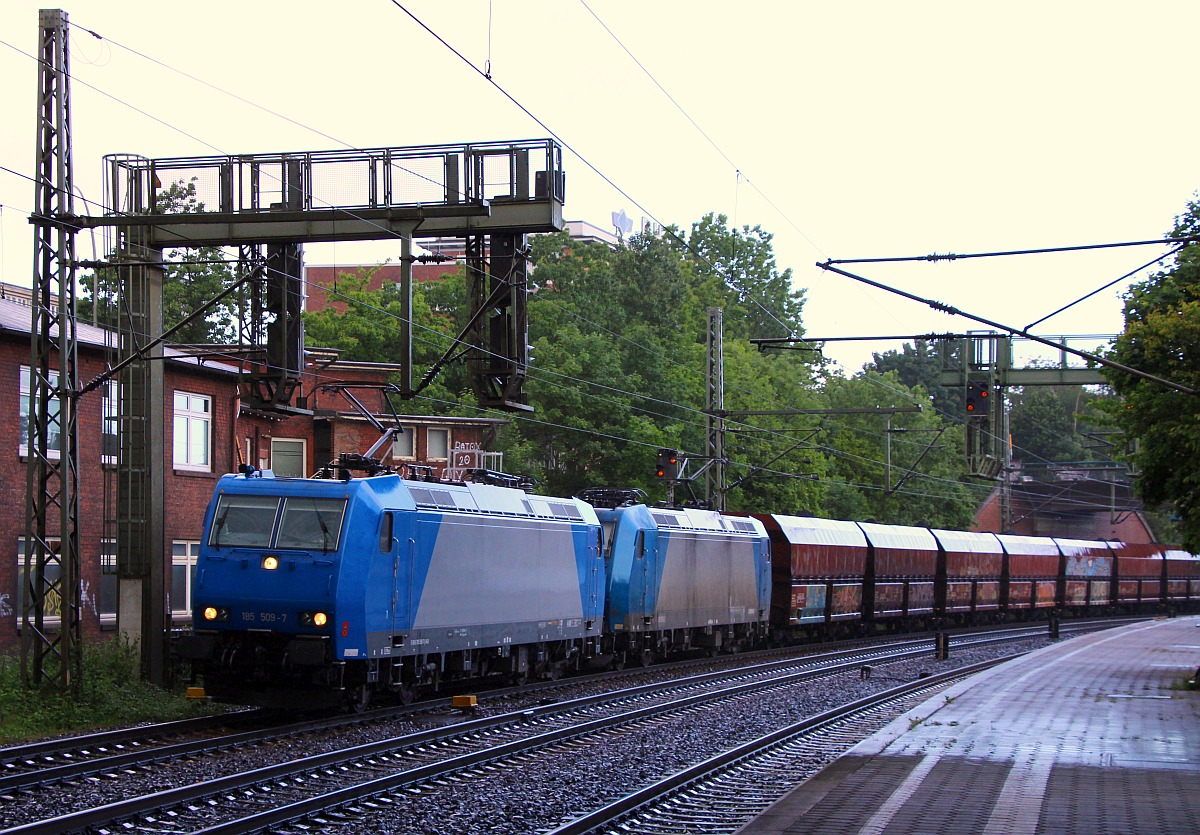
{"x":313,"y":618}
{"x":270,"y":563}
{"x":214,"y":613}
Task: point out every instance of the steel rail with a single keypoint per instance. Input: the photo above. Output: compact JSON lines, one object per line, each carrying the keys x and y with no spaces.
{"x":663,"y":789}
{"x":239,"y":784}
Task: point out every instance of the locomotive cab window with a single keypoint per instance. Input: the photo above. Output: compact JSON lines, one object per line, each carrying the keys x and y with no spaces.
{"x":311,"y":523}
{"x":245,"y":521}
{"x":385,"y":533}
{"x":608,"y":532}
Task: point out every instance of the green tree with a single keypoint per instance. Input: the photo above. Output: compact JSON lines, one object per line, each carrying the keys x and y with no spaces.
{"x":618,"y":370}
{"x":1162,"y":337}
{"x":1055,"y":423}
{"x":737,"y":271}
{"x":369,"y":330}
{"x":920,"y":364}
{"x":610,"y":366}
{"x":925,"y":484}
{"x":192,"y":277}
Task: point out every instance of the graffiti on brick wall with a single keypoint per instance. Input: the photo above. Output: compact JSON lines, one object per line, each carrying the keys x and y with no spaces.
{"x":86,"y":600}
{"x":6,"y":609}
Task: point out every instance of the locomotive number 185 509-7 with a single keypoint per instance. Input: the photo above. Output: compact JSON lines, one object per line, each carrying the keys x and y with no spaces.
{"x":265,"y":617}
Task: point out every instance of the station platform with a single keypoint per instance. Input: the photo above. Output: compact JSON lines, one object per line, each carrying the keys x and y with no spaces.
{"x":1090,"y":736}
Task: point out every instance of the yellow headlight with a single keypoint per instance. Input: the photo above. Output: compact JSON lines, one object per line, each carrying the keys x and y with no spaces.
{"x":270,"y":563}
{"x":210,"y":613}
{"x":319,"y":619}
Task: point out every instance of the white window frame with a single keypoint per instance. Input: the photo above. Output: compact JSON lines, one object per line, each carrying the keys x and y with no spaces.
{"x":191,"y":418}
{"x":303,"y":453}
{"x":26,"y":413}
{"x":108,"y":569}
{"x":110,"y":405}
{"x":449,"y":444}
{"x":18,"y":600}
{"x":183,"y":553}
{"x":404,"y":445}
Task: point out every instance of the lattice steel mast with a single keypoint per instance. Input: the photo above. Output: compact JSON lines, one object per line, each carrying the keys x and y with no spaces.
{"x":51,"y":579}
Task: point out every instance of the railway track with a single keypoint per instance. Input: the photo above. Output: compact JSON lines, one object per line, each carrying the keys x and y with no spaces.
{"x":368,"y":777}
{"x":57,"y":760}
{"x":722,"y":793}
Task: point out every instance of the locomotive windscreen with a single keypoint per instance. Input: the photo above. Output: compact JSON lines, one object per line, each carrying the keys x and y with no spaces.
{"x":311,"y":523}
{"x":307,"y":522}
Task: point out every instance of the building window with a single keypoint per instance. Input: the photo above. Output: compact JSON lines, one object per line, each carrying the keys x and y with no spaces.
{"x":183,"y":574}
{"x":193,"y":424}
{"x":437,"y":444}
{"x":101,"y":601}
{"x":53,"y":602}
{"x":54,"y":429}
{"x":287,"y":457}
{"x":404,"y":446}
{"x":107,"y":598}
{"x":108,"y":422}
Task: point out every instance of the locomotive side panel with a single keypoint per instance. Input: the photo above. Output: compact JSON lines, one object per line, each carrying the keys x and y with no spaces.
{"x":478,"y":581}
{"x":684,"y":578}
{"x":705,"y":580}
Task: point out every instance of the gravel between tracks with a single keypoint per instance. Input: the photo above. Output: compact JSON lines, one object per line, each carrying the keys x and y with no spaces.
{"x":536,"y":795}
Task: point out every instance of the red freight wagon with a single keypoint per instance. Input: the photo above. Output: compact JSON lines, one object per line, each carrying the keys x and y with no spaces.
{"x":1139,"y":572}
{"x":970,"y":566}
{"x":900,"y":571}
{"x":1030,"y":577}
{"x":1183,"y":575}
{"x":817,"y":569}
{"x":1087,"y":572}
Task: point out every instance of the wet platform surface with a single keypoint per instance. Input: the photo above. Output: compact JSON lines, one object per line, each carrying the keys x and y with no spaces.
{"x":1091,"y":736}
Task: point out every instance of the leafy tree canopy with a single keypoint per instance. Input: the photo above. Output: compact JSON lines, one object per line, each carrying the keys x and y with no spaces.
{"x":619,"y":370}
{"x":920,"y":364}
{"x":192,"y":277}
{"x":1162,"y":337}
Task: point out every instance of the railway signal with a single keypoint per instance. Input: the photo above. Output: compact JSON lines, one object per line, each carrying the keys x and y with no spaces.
{"x":668,"y":464}
{"x":977,"y":399}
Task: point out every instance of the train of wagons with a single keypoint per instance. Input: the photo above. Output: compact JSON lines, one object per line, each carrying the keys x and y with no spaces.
{"x":316,"y":592}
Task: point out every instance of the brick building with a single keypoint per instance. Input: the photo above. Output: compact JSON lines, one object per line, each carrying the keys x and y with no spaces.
{"x":209,"y":432}
{"x":1069,"y":501}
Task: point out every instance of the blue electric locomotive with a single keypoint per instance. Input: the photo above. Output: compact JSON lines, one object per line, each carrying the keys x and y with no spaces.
{"x":311,"y":591}
{"x":683,"y":579}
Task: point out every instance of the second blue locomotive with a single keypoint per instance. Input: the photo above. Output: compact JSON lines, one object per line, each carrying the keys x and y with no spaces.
{"x":681,"y":580}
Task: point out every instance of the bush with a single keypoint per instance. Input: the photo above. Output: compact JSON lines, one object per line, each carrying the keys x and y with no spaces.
{"x":110,"y":695}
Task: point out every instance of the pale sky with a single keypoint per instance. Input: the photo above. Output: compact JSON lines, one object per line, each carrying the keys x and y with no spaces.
{"x":861,"y":129}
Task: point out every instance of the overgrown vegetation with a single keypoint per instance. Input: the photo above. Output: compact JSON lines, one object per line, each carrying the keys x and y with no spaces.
{"x":112,"y":696}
